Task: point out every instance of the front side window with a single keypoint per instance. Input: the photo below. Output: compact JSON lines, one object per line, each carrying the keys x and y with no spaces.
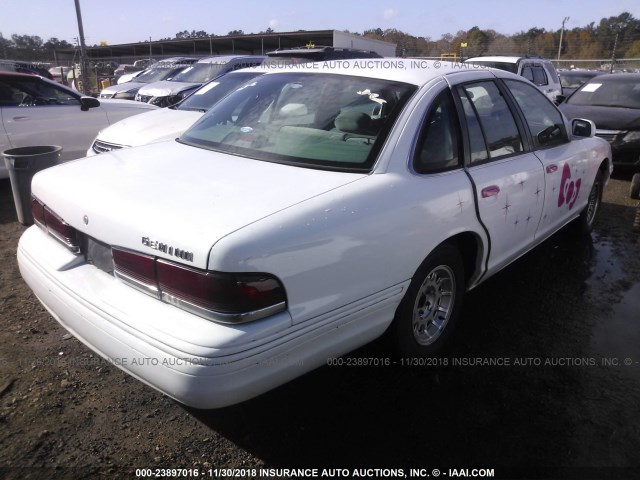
{"x":32,"y":92}
{"x":543,"y":119}
{"x":315,"y":120}
{"x":498,"y":126}
{"x":438,"y":146}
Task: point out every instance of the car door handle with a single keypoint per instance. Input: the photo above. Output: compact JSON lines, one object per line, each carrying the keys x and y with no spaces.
{"x":20,"y":118}
{"x":491,"y":191}
{"x":552,"y":168}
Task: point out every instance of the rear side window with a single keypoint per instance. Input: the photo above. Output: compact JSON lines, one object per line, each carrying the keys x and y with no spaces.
{"x":535,"y":74}
{"x":497,"y":124}
{"x":439,"y":143}
{"x":543,"y":119}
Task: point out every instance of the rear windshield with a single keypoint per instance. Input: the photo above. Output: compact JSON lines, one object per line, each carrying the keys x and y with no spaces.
{"x":326,"y":121}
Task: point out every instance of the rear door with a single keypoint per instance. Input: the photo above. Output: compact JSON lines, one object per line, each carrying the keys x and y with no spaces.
{"x":508,"y":177}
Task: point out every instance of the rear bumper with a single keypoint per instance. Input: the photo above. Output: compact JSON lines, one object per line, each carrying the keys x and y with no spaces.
{"x":197,"y":362}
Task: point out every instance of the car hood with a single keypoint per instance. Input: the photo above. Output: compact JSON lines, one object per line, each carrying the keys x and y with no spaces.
{"x":161,"y":124}
{"x":605,"y":118}
{"x":123,"y":87}
{"x":174,"y":194}
{"x":166,"y":88}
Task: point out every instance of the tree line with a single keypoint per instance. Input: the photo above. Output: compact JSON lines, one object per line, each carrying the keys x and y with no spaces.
{"x":617,"y":36}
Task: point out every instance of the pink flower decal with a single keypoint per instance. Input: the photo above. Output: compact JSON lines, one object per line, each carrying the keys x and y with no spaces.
{"x":568,"y":188}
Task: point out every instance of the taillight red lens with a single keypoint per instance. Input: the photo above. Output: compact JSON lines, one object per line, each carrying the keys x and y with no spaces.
{"x":47,"y":219}
{"x":225,"y":297}
{"x":37,"y":211}
{"x":136,"y":267}
{"x":61,"y":230}
{"x":228,"y":293}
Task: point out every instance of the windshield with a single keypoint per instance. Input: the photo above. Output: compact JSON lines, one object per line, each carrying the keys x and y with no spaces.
{"x":160,"y":72}
{"x":204,"y":98}
{"x":200,"y":72}
{"x":609,"y":92}
{"x":574,"y":80}
{"x":323,"y":121}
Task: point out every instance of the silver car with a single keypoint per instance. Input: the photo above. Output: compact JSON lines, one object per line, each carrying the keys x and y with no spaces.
{"x":37,"y":111}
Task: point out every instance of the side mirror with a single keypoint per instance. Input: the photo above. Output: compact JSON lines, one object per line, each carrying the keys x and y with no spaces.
{"x":560,"y":99}
{"x":88,"y":102}
{"x":581,"y":127}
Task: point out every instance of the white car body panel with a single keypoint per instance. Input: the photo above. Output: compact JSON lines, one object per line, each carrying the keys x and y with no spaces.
{"x":344,"y":245}
{"x":166,"y":88}
{"x":133,"y":176}
{"x":128,"y":77}
{"x":150,"y":127}
{"x":109,"y":92}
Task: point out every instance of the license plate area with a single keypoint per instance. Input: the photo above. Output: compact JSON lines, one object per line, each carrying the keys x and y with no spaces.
{"x":97,"y":254}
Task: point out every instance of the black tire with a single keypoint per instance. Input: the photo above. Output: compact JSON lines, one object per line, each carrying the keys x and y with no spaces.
{"x":588,"y":215}
{"x":428,"y":313}
{"x":634,"y":190}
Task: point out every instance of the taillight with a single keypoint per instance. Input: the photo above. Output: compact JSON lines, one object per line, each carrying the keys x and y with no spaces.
{"x":52,"y":223}
{"x":135,"y":268}
{"x":37,"y":211}
{"x":224,"y":297}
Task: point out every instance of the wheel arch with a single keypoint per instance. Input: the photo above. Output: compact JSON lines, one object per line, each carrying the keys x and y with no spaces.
{"x":472,"y":251}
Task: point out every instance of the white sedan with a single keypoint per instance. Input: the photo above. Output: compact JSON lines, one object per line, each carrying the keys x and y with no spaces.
{"x":306,"y":214}
{"x":37,"y":111}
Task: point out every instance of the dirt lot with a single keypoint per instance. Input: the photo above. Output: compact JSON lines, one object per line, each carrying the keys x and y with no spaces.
{"x":563,"y":404}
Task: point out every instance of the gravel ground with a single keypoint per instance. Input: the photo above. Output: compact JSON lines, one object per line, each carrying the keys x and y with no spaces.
{"x":563,"y":404}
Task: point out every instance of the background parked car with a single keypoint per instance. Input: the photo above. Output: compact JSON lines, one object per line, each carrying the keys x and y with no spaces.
{"x":318,"y":54}
{"x":571,"y":80}
{"x":171,"y":91}
{"x":169,"y":123}
{"x":612,"y":102}
{"x":162,"y":70}
{"x":537,"y":70}
{"x":38,"y":111}
{"x":59,"y":74}
{"x":125,"y":69}
{"x":21,"y":66}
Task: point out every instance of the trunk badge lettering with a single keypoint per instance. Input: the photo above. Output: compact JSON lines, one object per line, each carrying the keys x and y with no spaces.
{"x":168,"y":249}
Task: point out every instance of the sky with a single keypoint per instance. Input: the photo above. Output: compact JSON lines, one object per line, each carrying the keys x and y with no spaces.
{"x":128,"y":21}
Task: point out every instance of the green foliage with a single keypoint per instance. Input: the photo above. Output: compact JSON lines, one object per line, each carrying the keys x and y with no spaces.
{"x":589,"y":42}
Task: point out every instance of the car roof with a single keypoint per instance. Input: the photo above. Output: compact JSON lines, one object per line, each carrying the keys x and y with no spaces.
{"x":17,"y":74}
{"x":497,"y":58}
{"x":392,"y":69}
{"x":221,"y":59}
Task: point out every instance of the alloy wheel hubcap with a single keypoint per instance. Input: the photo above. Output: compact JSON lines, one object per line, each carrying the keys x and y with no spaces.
{"x":434,"y":304}
{"x":592,"y":206}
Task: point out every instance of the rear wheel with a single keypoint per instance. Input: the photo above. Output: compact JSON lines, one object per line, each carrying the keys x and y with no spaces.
{"x":634,"y":191}
{"x":427,"y":315}
{"x":588,"y":215}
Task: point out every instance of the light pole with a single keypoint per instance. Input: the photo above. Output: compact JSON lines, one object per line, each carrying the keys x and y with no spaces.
{"x":84,"y":71}
{"x":566,"y":19}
